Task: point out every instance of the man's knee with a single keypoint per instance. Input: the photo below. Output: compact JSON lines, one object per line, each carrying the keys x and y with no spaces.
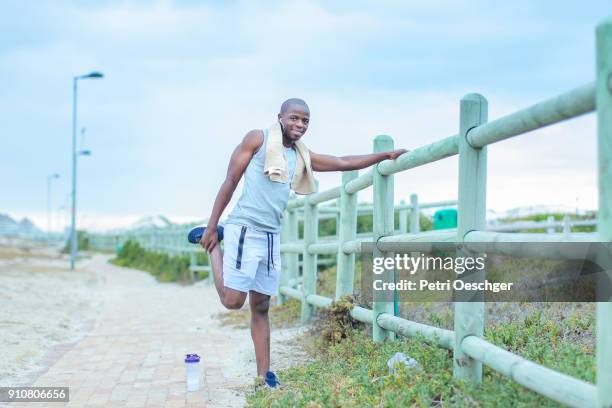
{"x":233,"y":299}
{"x":261,"y":306}
{"x":233,"y":304}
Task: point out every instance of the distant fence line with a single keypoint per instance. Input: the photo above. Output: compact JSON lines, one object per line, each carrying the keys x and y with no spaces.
{"x":172,"y":240}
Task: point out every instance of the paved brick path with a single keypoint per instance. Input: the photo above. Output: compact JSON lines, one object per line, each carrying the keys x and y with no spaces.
{"x":134,"y":355}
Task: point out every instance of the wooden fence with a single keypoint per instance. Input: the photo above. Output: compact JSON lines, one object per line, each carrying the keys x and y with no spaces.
{"x":475,"y":133}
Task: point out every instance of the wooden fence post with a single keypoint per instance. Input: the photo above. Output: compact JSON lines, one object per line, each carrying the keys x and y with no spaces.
{"x":403,"y":219}
{"x":309,"y":263}
{"x":415,"y":226}
{"x":550,"y":220}
{"x":284,"y":277}
{"x":347,"y":231}
{"x":293,"y":267}
{"x":383,"y":225}
{"x":567,"y":226}
{"x":469,"y":316}
{"x":603,"y":103}
{"x":339,"y":207}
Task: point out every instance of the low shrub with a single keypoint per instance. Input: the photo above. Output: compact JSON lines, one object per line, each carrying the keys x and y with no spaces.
{"x":164,"y":267}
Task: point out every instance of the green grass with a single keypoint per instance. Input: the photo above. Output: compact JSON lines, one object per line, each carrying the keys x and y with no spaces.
{"x":346,"y":369}
{"x":164,"y":267}
{"x":349,"y":370}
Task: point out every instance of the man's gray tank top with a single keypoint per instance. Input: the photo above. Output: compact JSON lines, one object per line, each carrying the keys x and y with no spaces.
{"x":262,"y":202}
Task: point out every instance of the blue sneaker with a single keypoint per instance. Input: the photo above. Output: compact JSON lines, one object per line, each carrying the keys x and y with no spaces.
{"x":271,"y":380}
{"x":195,"y":235}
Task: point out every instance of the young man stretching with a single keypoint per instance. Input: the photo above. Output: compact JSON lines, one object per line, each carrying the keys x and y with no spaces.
{"x":273,"y":161}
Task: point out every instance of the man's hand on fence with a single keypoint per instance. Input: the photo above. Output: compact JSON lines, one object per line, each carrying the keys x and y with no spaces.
{"x":209,"y":239}
{"x":397,"y":153}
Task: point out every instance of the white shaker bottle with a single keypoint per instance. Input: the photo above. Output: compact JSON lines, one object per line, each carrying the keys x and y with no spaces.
{"x":192,"y":371}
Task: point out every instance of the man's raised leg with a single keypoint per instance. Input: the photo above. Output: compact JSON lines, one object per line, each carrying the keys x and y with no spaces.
{"x":230,"y":298}
{"x":260,"y":330}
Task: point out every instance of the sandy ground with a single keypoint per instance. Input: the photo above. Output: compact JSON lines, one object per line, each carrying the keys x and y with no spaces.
{"x":46,"y":311}
{"x":42,"y":304}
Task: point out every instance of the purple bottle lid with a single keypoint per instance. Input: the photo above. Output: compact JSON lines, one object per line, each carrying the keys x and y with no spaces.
{"x":192,"y":358}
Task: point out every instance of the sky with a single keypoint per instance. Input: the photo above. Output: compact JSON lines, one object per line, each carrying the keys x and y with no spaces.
{"x":186,"y":80}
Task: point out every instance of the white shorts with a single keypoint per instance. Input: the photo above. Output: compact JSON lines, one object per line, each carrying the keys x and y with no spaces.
{"x":251,"y":259}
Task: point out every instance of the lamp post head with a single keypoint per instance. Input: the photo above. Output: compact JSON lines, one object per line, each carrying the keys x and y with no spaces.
{"x":85,"y":152}
{"x":53,"y":176}
{"x":92,"y":75}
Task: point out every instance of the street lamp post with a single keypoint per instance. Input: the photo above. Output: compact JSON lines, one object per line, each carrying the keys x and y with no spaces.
{"x":49,"y":179}
{"x":73,"y":234}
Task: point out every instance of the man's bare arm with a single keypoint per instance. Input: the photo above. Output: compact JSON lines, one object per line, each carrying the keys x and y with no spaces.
{"x":324,"y":162}
{"x":238,"y":163}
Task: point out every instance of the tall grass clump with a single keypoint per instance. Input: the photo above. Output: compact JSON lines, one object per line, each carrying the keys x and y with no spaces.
{"x":164,"y":267}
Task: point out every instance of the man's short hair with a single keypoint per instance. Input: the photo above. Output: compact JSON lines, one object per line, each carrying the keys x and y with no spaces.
{"x":293,"y":101}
